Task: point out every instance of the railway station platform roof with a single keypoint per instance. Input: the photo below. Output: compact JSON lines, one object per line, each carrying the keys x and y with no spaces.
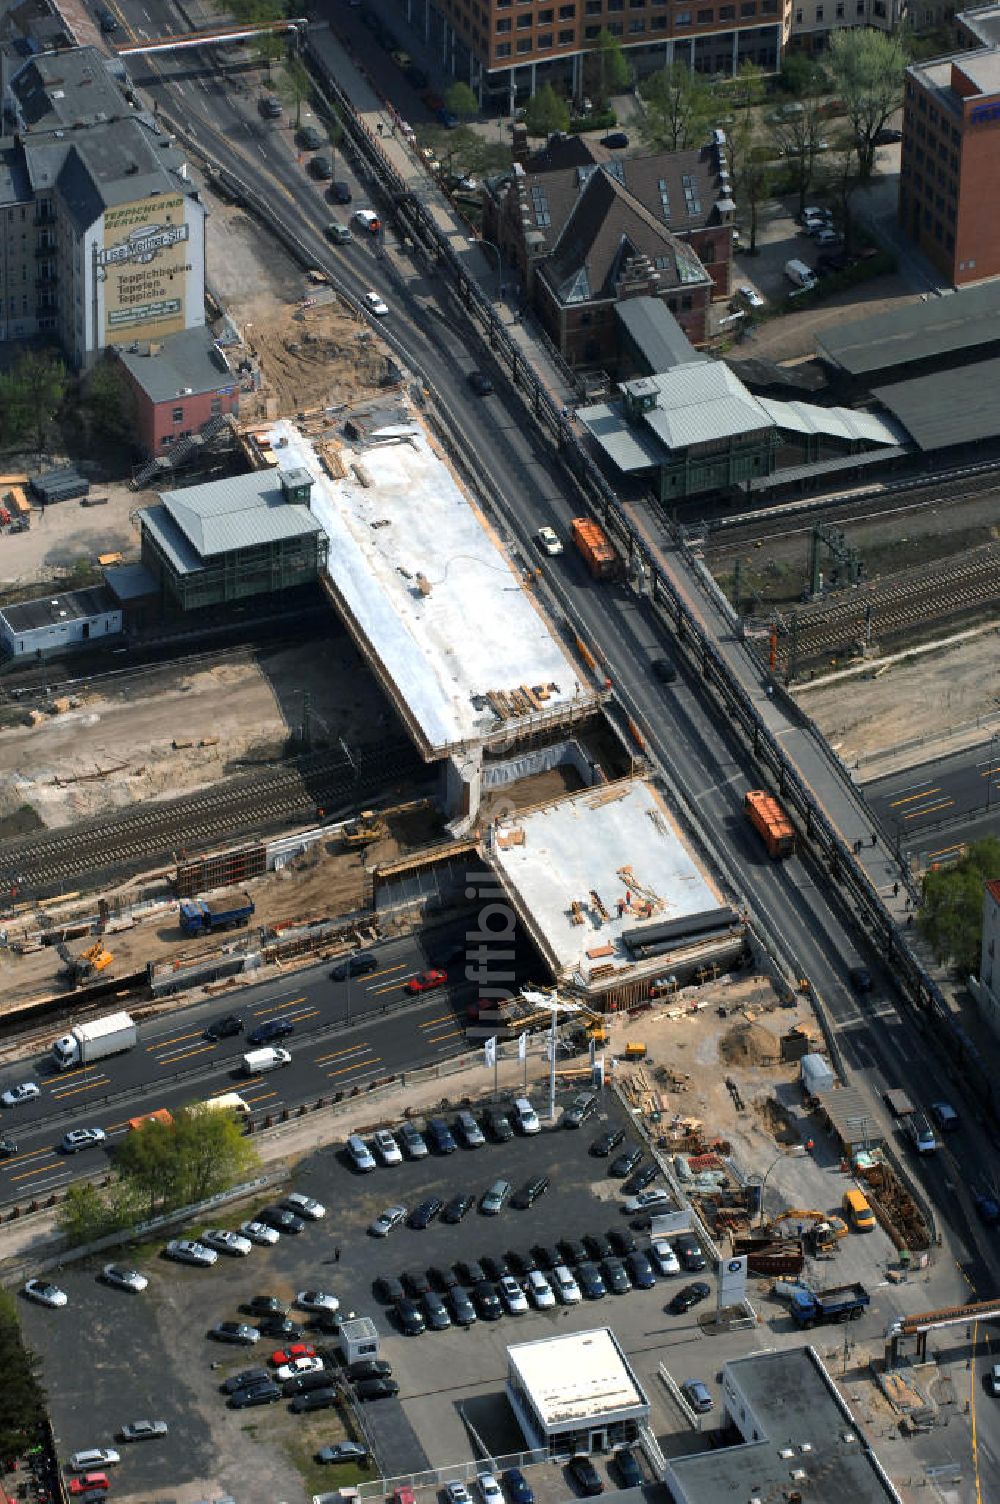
{"x":917,"y":336}
{"x":947,"y":408}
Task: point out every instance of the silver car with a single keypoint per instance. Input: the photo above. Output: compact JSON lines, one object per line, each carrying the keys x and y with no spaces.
{"x":143,"y":1430}
{"x":226,"y":1242}
{"x":259,"y":1232}
{"x":82,"y":1138}
{"x":305,"y":1206}
{"x":124,"y":1278}
{"x":45,"y":1294}
{"x":387,"y":1220}
{"x":317,"y":1300}
{"x":188,"y":1251}
{"x":94,"y":1458}
{"x":26,"y":1092}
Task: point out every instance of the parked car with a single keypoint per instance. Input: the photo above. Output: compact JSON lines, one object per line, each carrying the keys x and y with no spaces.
{"x":305,"y":1206}
{"x":309,"y":137}
{"x":91,"y":1457}
{"x":646,"y":1199}
{"x":441,"y":1137}
{"x":386,"y":1147}
{"x":376,"y":1389}
{"x":640,"y":1270}
{"x":342,"y":1451}
{"x":566,"y":1286}
{"x":887,"y":135}
{"x":286,"y":1355}
{"x":123,"y":1278}
{"x":189,"y":1251}
{"x":513,"y":1296}
{"x":259,"y":1232}
{"x":588,"y":1277}
{"x":45,"y":1294}
{"x":386,"y":1220}
{"x":597,"y":1246}
{"x":410,"y":1317}
{"x":317,"y":1300}
{"x":412,"y":1141}
{"x":688,"y":1296}
{"x":517,"y":1487}
{"x":320,"y":167}
{"x":470,"y":1272}
{"x":234,"y":1331}
{"x":643,"y":1177}
{"x":664,"y":1258}
{"x":463,"y":1312}
{"x":436,"y":1312}
{"x":495,"y":1198}
{"x":306,"y":1383}
{"x":573,"y":1251}
{"x":498,"y":1125}
{"x":615,"y":1276}
{"x":585,"y":1476}
{"x":359,"y":1154}
{"x":583,"y":1106}
{"x":540,"y":1291}
{"x":389,"y":1289}
{"x":456,"y":1493}
{"x":318,"y":1399}
{"x":529,"y":1193}
{"x":750,"y":296}
{"x":489,"y":1489}
{"x":603,"y":1146}
{"x":688,"y":1250}
{"x":487,"y":1301}
{"x":245,"y":1378}
{"x":624,"y":1163}
{"x":298,"y":1366}
{"x":442,"y":1277}
{"x":279,"y":1328}
{"x":525,"y":1117}
{"x":143,"y":1430}
{"x":469,"y":1131}
{"x":629,"y":1471}
{"x":369,"y":1368}
{"x":415,"y":1282}
{"x":615,"y":140}
{"x":280,"y":1218}
{"x":457,"y":1208}
{"x":224,"y":1241}
{"x":622,"y":1240}
{"x":423,"y":1215}
{"x":697,"y":1395}
{"x":267,"y":1393}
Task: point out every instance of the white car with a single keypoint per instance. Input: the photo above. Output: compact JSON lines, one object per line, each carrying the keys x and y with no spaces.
{"x":490,"y":1489}
{"x":82,"y":1138}
{"x":457,"y":1493}
{"x":567,"y":1288}
{"x":387,"y":1220}
{"x":259,"y":1232}
{"x":298,"y":1367}
{"x":646,"y":1199}
{"x":124,"y":1278}
{"x":375,"y":305}
{"x":526,"y":1117}
{"x":189,"y":1251}
{"x":813,"y":211}
{"x":513,"y":1296}
{"x":368,"y":220}
{"x":26,"y":1092}
{"x":750,"y":296}
{"x":663,"y":1257}
{"x":548,"y":541}
{"x":94,"y":1457}
{"x":305,"y":1206}
{"x":386,"y":1147}
{"x":316,"y":1300}
{"x":226,"y":1242}
{"x":45,"y":1294}
{"x":540,"y":1291}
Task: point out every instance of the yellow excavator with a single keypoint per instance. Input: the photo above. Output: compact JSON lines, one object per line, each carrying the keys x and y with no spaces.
{"x":366,"y":829}
{"x":89,"y":964}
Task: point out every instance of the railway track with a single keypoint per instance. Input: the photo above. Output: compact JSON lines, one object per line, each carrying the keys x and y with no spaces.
{"x":260,"y":801}
{"x":891,"y":610}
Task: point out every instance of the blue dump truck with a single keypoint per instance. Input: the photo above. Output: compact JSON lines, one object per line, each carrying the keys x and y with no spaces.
{"x":199,"y":917}
{"x":840,"y":1303}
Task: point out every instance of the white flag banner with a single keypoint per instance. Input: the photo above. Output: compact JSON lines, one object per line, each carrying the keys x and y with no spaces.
{"x":490,"y":1051}
{"x":522,"y":1046}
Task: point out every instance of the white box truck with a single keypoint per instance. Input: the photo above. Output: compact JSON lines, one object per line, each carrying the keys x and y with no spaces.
{"x":86,"y":1043}
{"x":265,"y":1060}
{"x":798,"y":272}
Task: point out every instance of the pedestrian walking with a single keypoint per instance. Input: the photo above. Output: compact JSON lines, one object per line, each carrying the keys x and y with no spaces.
{"x":336,"y":1255}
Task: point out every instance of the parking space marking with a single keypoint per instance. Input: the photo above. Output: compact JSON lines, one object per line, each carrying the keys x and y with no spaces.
{"x":351,"y":1049}
{"x":279,"y":1007}
{"x":184,"y":1054}
{"x":74,"y":1091}
{"x":161,"y":1044}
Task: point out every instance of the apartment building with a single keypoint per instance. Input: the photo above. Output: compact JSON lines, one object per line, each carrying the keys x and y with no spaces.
{"x":813,"y":21}
{"x":102,"y":234}
{"x":506,"y":49}
{"x":951,"y":144}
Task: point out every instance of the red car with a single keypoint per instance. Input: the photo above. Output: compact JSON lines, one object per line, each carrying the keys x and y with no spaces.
{"x":289,"y":1354}
{"x":87,"y":1482}
{"x":427,"y":981}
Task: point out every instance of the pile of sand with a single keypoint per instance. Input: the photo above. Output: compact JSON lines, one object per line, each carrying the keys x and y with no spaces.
{"x":747,"y":1044}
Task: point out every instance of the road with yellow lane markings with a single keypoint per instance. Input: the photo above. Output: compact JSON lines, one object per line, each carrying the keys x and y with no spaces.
{"x":937,"y":809}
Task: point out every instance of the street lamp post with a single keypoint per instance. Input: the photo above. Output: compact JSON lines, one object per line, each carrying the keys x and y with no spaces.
{"x":555,"y":1007}
{"x":496,"y":250}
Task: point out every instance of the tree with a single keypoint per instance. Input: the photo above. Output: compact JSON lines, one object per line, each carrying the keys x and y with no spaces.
{"x":211,"y":1154}
{"x":147,"y":1160}
{"x":750,"y":171}
{"x":678,"y":106}
{"x":747,"y":88}
{"x":22,"y":1398}
{"x":109,"y":401}
{"x":606,"y":68}
{"x":546,"y":112}
{"x":461,"y":101}
{"x":31,"y":395}
{"x":867,"y":69}
{"x":951,"y":914}
{"x":801,"y":75}
{"x":842,"y":177}
{"x":799,"y":139}
{"x":299,"y":85}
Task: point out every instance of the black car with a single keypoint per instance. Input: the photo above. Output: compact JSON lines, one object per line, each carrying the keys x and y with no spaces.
{"x":624,"y":1163}
{"x":389,"y":1289}
{"x":487,"y":1301}
{"x":640,"y":1270}
{"x":415,"y":1282}
{"x":689,"y":1296}
{"x":480,"y":383}
{"x":615,"y":1276}
{"x":497,"y":1125}
{"x":463,"y":1312}
{"x":860,"y":978}
{"x":443,"y":1277}
{"x":615,"y":140}
{"x":225,"y":1028}
{"x":320,"y":167}
{"x":318,"y":1399}
{"x":622,"y":1241}
{"x":280,"y":1218}
{"x":265,"y":1393}
{"x":644,"y":1176}
{"x":440,"y":1136}
{"x":470,"y":1272}
{"x":573,"y":1251}
{"x":309,"y":137}
{"x":530,"y":1192}
{"x":244,"y":1378}
{"x":267,"y":1033}
{"x":281,"y":1327}
{"x":368,"y":1368}
{"x":360,"y":964}
{"x":343,"y":1451}
{"x":545,"y":1258}
{"x":520,"y":1264}
{"x":376,"y":1389}
{"x":688,"y":1250}
{"x":629,"y":1471}
{"x":583,"y":1105}
{"x":306,"y":1383}
{"x":495,"y":1268}
{"x":423,"y":1215}
{"x":664,"y":670}
{"x":410,"y":1318}
{"x":597,"y":1246}
{"x":266,"y":1305}
{"x":457,"y":1208}
{"x":340,"y":193}
{"x":581,"y":1469}
{"x":887,"y":135}
{"x":108,"y":21}
{"x":436,"y":1313}
{"x":588,"y":1277}
{"x":602,"y":1147}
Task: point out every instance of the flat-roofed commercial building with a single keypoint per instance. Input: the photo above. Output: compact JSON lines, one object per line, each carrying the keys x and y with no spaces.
{"x":575,"y":1393}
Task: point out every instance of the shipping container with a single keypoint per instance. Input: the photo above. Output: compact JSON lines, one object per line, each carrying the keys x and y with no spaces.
{"x":770,"y":821}
{"x":593,"y":544}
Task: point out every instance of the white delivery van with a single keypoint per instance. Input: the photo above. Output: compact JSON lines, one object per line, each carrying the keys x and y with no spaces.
{"x":799,"y":273}
{"x":265,"y":1060}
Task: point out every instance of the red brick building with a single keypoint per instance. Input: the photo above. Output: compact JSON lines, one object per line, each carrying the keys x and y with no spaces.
{"x":179,"y":384}
{"x":948,"y":203}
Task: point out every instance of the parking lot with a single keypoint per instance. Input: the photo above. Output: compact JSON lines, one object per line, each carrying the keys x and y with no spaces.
{"x":148,"y":1355}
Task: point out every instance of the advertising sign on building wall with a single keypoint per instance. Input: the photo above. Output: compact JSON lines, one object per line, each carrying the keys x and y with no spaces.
{"x":144,"y":266}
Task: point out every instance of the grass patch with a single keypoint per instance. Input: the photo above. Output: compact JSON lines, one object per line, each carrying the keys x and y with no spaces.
{"x":324,"y":1429}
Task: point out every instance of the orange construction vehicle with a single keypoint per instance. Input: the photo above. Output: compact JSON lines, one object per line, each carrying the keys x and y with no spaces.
{"x":592,"y":541}
{"x":770,"y":821}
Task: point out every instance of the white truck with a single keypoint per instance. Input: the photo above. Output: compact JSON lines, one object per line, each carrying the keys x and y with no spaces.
{"x":269,"y":1059}
{"x":802,"y":275}
{"x":86,"y":1043}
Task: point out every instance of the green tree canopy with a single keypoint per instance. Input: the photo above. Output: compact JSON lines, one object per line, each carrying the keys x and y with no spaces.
{"x":951,"y":914}
{"x":461,"y":101}
{"x":545,"y":112}
{"x":801,"y":75}
{"x":678,"y":106}
{"x":867,"y":69}
{"x":22,"y":1398}
{"x":30,"y":396}
{"x":606,"y":68}
{"x":109,"y":401}
{"x":800,"y":138}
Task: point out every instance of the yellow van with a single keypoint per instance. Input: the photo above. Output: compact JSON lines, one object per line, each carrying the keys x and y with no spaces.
{"x":857,"y":1211}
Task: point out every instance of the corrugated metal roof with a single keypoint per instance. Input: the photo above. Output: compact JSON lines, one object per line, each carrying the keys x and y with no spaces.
{"x":243,"y":511}
{"x":623,"y":443}
{"x":698,"y":403}
{"x":839,"y":422}
{"x":656,"y":334}
{"x":962,"y":320}
{"x":948,"y":407}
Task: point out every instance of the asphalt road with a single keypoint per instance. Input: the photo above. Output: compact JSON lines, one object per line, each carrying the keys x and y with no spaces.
{"x":937,"y":808}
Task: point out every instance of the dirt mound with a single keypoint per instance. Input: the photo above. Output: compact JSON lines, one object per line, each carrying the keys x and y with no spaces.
{"x":776,"y":1118}
{"x":749,"y":1043}
{"x":315,"y":356}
